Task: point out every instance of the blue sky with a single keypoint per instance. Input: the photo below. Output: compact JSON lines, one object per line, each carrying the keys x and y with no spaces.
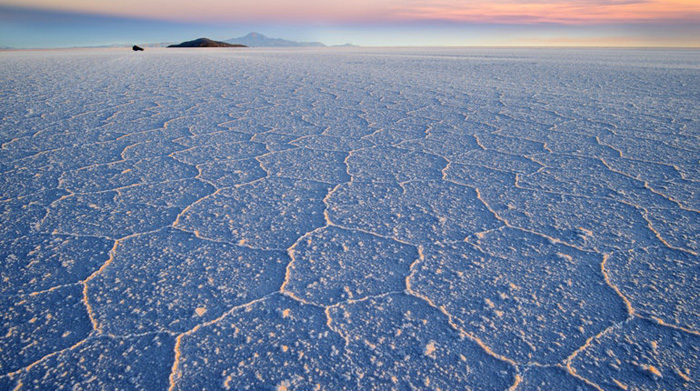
{"x":35,"y":28}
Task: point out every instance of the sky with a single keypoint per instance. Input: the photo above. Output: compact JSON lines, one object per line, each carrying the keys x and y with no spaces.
{"x":67,"y":23}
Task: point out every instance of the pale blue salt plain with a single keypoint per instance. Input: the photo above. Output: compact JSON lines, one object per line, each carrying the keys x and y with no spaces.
{"x":350,"y":219}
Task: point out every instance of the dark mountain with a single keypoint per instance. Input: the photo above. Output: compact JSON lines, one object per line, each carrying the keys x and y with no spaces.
{"x":206,"y":43}
{"x":259,"y":40}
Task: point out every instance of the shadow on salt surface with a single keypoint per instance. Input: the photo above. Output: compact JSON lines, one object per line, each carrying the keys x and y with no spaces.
{"x":33,"y":207}
{"x":400,"y":342}
{"x":659,"y":282}
{"x":25,"y":181}
{"x":551,"y":378}
{"x":525,"y":297}
{"x":39,"y":262}
{"x":172,"y":280}
{"x":332,"y":143}
{"x":341,"y":122}
{"x":282,"y":119}
{"x":116,"y":214}
{"x":645,"y":171}
{"x":270,"y":213}
{"x":415,"y":212}
{"x":405,"y":127}
{"x":229,"y":173}
{"x":245,"y":125}
{"x":332,"y":265}
{"x":441,"y":143}
{"x":389,"y":164}
{"x":275,"y":141}
{"x":578,"y":145}
{"x":678,"y":228}
{"x":595,"y":224}
{"x":509,"y":145}
{"x":106,"y":363}
{"x":583,"y":127}
{"x":151,"y":149}
{"x":214,"y":138}
{"x":125,"y":173}
{"x":590,"y":223}
{"x":477,"y":176}
{"x":310,"y":164}
{"x":590,"y":178}
{"x":41,"y":324}
{"x":178,"y":193}
{"x":644,"y":149}
{"x":498,"y":160}
{"x":389,"y":137}
{"x":73,"y":157}
{"x":276,"y":342}
{"x":681,"y":191}
{"x":50,"y":145}
{"x":207,"y":153}
{"x":642,"y":355}
{"x":161,"y":136}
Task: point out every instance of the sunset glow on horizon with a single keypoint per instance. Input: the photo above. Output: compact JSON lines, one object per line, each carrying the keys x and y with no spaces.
{"x":668,"y":23}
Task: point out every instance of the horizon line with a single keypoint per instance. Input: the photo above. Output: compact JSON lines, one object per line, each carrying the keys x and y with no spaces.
{"x":117,"y":46}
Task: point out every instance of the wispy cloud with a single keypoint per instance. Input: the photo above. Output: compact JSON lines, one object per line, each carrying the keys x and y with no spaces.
{"x":343,"y":11}
{"x":553,"y":11}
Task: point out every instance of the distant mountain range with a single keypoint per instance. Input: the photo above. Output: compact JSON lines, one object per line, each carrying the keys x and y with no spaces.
{"x":252,"y":40}
{"x":259,"y":40}
{"x":206,"y":43}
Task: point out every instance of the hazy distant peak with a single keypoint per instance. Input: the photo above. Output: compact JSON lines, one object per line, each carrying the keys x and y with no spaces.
{"x":259,"y":40}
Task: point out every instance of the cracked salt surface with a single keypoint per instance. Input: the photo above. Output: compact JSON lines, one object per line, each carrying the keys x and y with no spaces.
{"x":350,"y":219}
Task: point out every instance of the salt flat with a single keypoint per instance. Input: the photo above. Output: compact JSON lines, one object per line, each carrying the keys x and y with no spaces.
{"x":342,"y":219}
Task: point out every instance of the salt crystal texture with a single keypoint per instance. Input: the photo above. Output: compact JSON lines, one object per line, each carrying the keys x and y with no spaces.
{"x":348,"y":219}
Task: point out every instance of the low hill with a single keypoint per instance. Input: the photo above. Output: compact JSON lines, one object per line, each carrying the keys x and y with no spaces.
{"x":206,"y":43}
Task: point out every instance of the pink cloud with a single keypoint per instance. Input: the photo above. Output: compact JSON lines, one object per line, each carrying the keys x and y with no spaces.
{"x":342,"y":11}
